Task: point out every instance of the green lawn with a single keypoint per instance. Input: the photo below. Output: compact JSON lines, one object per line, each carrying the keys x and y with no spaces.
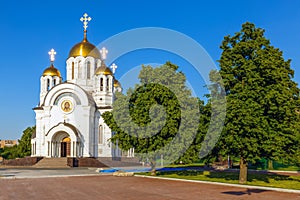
{"x":258,"y":179}
{"x":288,"y":168}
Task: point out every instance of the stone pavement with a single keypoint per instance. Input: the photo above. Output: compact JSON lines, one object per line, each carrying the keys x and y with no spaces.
{"x":87,"y":184}
{"x":45,"y":173}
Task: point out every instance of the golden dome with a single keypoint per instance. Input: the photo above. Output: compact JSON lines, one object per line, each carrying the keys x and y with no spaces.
{"x":103,"y":70}
{"x":117,"y":83}
{"x":51,"y":71}
{"x":84,"y":49}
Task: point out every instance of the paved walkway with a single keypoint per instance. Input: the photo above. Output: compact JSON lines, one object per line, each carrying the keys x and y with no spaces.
{"x":45,"y":173}
{"x":87,"y":185}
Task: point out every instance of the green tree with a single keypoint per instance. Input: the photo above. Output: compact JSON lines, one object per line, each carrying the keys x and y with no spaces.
{"x":10,"y":152}
{"x":156,"y":118}
{"x":24,"y":146}
{"x":22,"y":149}
{"x":212,"y":118}
{"x":262,"y":99}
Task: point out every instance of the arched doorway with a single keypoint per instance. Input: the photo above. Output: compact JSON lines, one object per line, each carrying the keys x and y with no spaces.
{"x":65,"y":147}
{"x":63,"y":141}
{"x":61,"y":145}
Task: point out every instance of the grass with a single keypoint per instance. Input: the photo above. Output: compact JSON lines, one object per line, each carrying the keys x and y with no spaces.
{"x":257,"y":179}
{"x":288,"y":168}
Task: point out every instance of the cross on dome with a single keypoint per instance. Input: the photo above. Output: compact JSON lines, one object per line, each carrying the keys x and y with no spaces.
{"x":52,"y":54}
{"x":114,"y":67}
{"x":85,"y":19}
{"x":104,"y":53}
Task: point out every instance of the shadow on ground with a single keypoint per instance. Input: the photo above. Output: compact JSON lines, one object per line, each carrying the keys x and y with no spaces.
{"x":247,"y":192}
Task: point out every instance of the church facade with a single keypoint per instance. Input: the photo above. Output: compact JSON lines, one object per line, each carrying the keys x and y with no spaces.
{"x":68,"y":116}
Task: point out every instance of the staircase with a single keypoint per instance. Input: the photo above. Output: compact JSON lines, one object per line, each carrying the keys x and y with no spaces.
{"x":52,"y":163}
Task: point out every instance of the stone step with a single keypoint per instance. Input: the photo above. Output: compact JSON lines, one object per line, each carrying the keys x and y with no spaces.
{"x":52,"y":163}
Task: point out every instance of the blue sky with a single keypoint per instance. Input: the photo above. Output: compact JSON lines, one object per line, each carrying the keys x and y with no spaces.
{"x":29,"y":29}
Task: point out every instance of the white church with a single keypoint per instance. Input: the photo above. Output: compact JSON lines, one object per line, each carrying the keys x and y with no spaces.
{"x":68,"y":116}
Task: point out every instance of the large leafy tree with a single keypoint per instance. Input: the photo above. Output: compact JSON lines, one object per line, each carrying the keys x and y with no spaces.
{"x":262,"y":100}
{"x":158,"y":117}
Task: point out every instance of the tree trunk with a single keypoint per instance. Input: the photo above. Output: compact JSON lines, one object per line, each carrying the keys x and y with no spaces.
{"x":243,"y":171}
{"x":270,"y":164}
{"x":153,"y":167}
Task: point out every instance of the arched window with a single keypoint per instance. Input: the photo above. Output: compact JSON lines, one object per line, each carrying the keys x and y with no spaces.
{"x":101,"y":84}
{"x":72,"y":70}
{"x":88,"y":70}
{"x":54,"y":82}
{"x":48,"y":84}
{"x":100,"y":136}
{"x":79,"y":70}
{"x":107,"y":84}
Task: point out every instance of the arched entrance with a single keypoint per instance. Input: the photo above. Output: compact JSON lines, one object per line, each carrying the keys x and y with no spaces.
{"x":63,"y":141}
{"x":61,"y":144}
{"x":65,"y":147}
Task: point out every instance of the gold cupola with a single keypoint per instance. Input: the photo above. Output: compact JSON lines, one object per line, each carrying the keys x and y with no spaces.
{"x":103,"y":69}
{"x":51,"y":71}
{"x":117,"y":83}
{"x":85,"y":48}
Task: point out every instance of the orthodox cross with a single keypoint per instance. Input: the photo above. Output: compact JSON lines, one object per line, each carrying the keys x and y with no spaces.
{"x":104,"y":53}
{"x":52,"y":54}
{"x":65,"y":118}
{"x":114,"y":67}
{"x":85,"y":19}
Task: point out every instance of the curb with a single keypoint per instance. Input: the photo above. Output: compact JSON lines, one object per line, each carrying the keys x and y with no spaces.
{"x":225,"y":184}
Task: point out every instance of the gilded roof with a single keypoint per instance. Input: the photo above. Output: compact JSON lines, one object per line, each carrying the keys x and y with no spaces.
{"x":116,"y":83}
{"x":84,"y":49}
{"x":51,"y":71}
{"x":103,"y":69}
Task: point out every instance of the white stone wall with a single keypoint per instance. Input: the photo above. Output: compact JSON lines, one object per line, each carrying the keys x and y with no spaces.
{"x":81,"y":77}
{"x":51,"y":115}
{"x":104,"y":149}
{"x":103,"y":96}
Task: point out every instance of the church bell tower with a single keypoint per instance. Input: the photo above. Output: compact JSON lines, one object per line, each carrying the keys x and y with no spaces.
{"x":50,"y":78}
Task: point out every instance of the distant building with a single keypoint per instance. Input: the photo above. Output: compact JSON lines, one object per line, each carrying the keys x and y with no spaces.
{"x":8,"y":143}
